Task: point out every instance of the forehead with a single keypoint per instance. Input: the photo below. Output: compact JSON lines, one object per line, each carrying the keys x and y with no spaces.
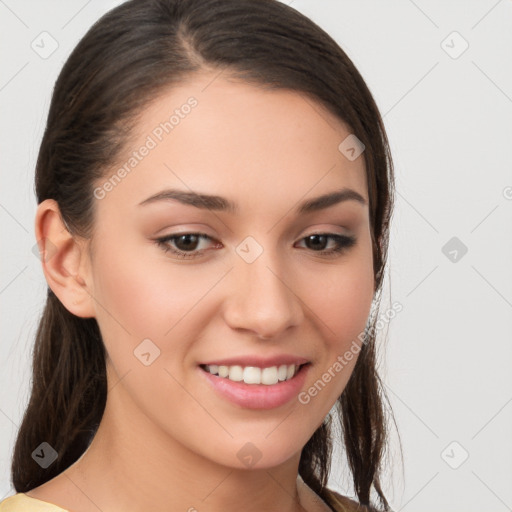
{"x":215,"y":134}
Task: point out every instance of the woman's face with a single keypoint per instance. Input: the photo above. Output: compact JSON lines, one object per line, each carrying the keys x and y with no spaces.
{"x":258,"y":290}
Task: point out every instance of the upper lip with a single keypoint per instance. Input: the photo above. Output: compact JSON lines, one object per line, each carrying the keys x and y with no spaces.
{"x":258,"y":361}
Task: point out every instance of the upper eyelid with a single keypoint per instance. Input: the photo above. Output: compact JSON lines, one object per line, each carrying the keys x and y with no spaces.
{"x":211,"y":237}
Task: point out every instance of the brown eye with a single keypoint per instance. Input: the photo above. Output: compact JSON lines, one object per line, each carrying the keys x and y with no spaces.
{"x":185,"y":244}
{"x":317,"y":243}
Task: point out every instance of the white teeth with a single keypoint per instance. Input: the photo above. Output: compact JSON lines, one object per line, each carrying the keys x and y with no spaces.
{"x":236,"y":373}
{"x":254,"y":375}
{"x":269,"y":376}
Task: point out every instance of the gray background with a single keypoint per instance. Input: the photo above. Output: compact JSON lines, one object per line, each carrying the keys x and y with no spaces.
{"x":447,"y":359}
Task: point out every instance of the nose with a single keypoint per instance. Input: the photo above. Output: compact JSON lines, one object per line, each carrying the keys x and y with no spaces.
{"x":261,"y":298}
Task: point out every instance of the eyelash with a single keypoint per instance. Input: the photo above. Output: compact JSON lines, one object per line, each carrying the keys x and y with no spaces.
{"x":344,"y":243}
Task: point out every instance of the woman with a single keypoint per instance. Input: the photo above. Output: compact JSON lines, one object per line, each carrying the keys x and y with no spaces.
{"x":215,"y":189}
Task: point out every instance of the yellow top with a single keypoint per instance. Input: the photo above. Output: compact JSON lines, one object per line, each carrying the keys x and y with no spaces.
{"x":21,"y":502}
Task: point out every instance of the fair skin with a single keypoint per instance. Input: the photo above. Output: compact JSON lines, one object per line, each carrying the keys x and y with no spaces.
{"x":167,"y":440}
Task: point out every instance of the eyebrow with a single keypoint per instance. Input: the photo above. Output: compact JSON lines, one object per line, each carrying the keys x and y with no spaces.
{"x":218,"y":203}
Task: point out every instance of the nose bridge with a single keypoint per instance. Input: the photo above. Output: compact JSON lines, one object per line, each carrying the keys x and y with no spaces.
{"x":261,"y":298}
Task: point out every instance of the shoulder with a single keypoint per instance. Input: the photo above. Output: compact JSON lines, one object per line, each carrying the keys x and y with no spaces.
{"x":21,"y":502}
{"x":340,"y":503}
{"x":330,"y":500}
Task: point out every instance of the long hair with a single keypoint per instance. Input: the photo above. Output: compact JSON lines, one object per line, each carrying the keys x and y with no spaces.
{"x":132,"y":54}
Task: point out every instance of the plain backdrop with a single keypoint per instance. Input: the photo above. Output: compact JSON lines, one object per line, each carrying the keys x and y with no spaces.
{"x":440,"y":73}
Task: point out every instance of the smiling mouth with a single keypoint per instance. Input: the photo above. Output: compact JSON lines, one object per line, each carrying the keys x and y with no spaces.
{"x":253,"y":374}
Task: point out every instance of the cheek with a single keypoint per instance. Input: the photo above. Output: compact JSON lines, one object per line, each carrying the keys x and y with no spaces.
{"x":342,"y":308}
{"x":342,"y":300}
{"x":140,"y":296}
{"x":350,"y":305}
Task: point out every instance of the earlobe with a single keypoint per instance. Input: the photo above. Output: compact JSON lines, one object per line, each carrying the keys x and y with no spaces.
{"x":62,"y":258}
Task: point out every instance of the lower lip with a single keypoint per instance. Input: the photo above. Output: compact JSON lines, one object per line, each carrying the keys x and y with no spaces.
{"x":258,"y":396}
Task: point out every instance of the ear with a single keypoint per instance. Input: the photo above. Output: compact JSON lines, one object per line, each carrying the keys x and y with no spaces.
{"x":65,"y":261}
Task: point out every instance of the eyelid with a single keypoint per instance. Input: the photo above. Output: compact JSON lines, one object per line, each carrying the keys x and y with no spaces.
{"x":202,"y":233}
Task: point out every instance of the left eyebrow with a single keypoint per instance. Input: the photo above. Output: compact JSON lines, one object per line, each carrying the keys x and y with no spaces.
{"x":218,"y":203}
{"x":327,"y":200}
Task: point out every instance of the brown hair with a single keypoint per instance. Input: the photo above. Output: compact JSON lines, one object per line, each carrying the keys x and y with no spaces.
{"x":126,"y":59}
